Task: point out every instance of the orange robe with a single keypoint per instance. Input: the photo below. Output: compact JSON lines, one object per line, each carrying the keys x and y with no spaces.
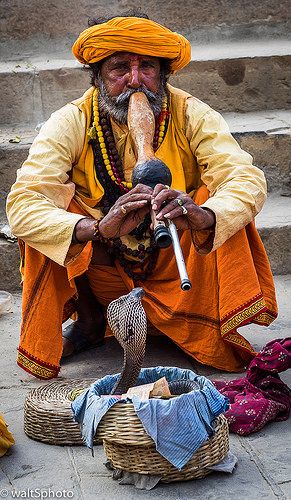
{"x":202,"y":321}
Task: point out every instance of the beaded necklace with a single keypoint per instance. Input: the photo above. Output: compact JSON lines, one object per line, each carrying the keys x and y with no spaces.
{"x":109,"y":170}
{"x":112,"y":166}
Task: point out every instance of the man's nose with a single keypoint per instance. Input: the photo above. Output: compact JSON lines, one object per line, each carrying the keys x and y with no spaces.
{"x":134,"y":80}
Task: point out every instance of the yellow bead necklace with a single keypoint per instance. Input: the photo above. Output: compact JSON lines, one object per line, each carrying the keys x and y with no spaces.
{"x":96,"y":132}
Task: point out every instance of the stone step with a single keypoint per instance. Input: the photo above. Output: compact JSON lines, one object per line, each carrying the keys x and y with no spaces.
{"x":256,"y":79}
{"x":10,"y":278}
{"x":273,"y":223}
{"x":266,"y":135}
{"x":250,"y":81}
{"x":26,"y":28}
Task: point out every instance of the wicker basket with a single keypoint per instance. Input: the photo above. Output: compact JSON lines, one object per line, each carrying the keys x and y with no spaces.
{"x":129,"y":448}
{"x":48,"y":418}
{"x":48,"y":415}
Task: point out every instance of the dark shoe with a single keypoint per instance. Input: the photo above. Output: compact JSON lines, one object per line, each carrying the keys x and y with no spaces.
{"x":80,"y":340}
{"x":89,"y":329}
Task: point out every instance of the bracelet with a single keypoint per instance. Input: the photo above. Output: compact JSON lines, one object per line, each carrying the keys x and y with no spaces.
{"x":96,"y":233}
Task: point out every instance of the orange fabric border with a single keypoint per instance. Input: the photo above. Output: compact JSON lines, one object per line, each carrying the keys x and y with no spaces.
{"x":254,"y":311}
{"x":36,"y":367}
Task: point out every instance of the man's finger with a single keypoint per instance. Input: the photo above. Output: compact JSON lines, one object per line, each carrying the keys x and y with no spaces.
{"x":169,"y":197}
{"x":171,"y":214}
{"x":141,"y":188}
{"x":158,"y":188}
{"x":126,"y":208}
{"x":164,"y":196}
{"x":132,"y":197}
{"x":171,"y":205}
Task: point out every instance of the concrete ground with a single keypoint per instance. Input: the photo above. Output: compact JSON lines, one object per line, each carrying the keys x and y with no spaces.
{"x":36,"y":470}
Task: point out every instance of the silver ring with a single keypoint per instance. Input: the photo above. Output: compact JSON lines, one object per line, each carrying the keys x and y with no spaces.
{"x":180,"y":202}
{"x":184,"y":210}
{"x":123,"y":209}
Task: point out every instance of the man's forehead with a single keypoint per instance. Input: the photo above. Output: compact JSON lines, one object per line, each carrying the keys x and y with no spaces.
{"x":127,"y":56}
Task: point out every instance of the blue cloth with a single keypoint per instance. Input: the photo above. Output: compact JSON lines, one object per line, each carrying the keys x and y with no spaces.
{"x":178,"y":426}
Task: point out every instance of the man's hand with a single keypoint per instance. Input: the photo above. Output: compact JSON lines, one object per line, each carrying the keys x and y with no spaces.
{"x":130,"y":209}
{"x":124,"y":216}
{"x":127,"y":213}
{"x":180,"y":208}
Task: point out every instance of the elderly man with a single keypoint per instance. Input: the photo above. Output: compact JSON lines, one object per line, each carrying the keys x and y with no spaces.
{"x":85,"y":233}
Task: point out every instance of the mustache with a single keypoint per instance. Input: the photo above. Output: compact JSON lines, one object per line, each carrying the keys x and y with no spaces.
{"x":117,"y":107}
{"x":123,"y":99}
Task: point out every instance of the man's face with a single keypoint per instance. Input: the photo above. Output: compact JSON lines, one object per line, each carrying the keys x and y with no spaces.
{"x":124,"y":73}
{"x":124,"y":70}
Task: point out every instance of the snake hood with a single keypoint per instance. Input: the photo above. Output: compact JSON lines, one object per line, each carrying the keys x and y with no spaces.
{"x":127,"y":320}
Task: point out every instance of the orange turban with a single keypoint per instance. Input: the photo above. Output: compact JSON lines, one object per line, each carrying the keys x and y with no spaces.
{"x":132,"y":34}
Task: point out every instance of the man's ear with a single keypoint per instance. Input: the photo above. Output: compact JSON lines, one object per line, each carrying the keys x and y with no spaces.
{"x":95,"y":68}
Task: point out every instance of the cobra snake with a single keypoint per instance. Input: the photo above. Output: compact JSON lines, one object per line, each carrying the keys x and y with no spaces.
{"x":128,"y":322}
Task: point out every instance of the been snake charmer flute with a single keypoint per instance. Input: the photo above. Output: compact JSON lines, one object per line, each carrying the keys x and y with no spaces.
{"x":150,"y":171}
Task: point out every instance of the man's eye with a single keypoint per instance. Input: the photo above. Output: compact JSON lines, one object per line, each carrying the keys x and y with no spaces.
{"x":120,"y":67}
{"x":148,"y":64}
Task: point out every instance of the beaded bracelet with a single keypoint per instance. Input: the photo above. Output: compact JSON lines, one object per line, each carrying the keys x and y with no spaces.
{"x":96,"y":233}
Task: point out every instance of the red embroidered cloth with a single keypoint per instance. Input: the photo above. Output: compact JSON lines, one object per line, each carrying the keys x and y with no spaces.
{"x":260,"y":396}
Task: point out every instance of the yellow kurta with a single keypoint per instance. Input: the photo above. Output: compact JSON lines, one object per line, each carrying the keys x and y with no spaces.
{"x":38,"y":201}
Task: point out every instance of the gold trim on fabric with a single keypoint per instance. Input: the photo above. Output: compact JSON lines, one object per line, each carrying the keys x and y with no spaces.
{"x":236,"y":339}
{"x":242,"y":316}
{"x":265,"y":318}
{"x":35,"y":368}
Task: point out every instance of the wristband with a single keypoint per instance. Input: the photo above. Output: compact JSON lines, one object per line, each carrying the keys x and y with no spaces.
{"x":96,"y":233}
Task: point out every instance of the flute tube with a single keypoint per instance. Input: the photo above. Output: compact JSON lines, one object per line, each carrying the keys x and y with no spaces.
{"x":162,"y":235}
{"x":185,"y":282}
